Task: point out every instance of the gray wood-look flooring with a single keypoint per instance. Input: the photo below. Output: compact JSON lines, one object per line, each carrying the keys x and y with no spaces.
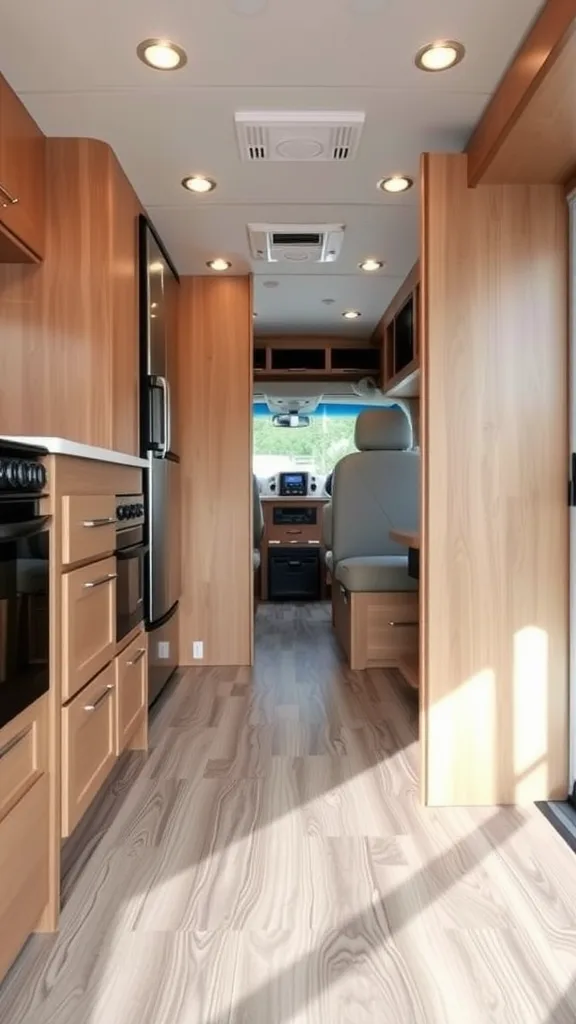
{"x":269,"y":863}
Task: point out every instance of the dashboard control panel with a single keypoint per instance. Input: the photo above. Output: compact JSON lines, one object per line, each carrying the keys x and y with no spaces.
{"x":292,"y":484}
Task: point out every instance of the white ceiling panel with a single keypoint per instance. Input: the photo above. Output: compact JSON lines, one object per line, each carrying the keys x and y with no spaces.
{"x":74,"y":62}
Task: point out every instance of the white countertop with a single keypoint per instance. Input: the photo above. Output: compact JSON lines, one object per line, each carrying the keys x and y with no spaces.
{"x":61,"y":446}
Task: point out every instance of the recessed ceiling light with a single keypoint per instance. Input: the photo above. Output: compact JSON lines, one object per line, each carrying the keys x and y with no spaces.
{"x":198,"y":183}
{"x":328,"y":302}
{"x":161,"y":54}
{"x":395,"y":183}
{"x":369,"y":265}
{"x":156,"y":266}
{"x":351,"y":314}
{"x":439,"y":56}
{"x":219,"y":264}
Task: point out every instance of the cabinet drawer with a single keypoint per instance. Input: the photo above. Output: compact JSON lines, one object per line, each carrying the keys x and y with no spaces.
{"x":88,"y":746}
{"x":88,"y":623}
{"x":88,"y":527}
{"x":23,"y":753}
{"x":24,"y":853}
{"x":131,"y":689}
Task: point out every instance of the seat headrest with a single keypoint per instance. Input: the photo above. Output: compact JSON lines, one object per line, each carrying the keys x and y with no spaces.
{"x":381,"y":430}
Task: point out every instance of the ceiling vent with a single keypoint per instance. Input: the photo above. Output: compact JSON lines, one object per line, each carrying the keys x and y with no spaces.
{"x":314,"y":135}
{"x":296,"y":243}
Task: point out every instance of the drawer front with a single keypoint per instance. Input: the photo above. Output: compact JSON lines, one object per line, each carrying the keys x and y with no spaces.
{"x":24,"y":866}
{"x":297,"y":534}
{"x":88,"y":746}
{"x":88,"y":527}
{"x":131,"y":689}
{"x":88,"y":623}
{"x":23,"y":754}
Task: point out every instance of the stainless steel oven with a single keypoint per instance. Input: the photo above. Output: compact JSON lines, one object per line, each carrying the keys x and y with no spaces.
{"x":131,"y":551}
{"x":24,"y":581}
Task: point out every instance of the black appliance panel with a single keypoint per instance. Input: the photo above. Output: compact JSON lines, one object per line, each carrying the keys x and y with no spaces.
{"x":294,"y":575}
{"x":294,"y":516}
{"x":294,"y":484}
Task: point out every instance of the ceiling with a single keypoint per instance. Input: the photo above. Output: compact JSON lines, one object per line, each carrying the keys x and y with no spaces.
{"x":74,"y":64}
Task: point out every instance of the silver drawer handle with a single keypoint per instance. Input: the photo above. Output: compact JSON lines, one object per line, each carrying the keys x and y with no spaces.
{"x":92,"y":707}
{"x":103,"y":579}
{"x":12,"y":743}
{"x":395,"y":624}
{"x":107,"y":521}
{"x":138,"y":657}
{"x":10,"y":200}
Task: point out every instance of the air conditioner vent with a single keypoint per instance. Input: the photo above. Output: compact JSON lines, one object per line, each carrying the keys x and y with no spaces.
{"x":296,"y":243}
{"x":298,"y":238}
{"x":308,"y":135}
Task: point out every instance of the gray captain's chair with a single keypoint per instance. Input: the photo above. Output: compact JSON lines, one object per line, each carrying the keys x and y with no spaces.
{"x":258,"y":522}
{"x":375,"y":490}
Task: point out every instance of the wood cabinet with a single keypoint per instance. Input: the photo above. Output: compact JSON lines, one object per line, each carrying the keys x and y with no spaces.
{"x":22,"y":181}
{"x":131,"y":667}
{"x":318,"y":358}
{"x":23,"y":753}
{"x":88,"y":527}
{"x":79,"y":311}
{"x":88,"y":745}
{"x":89,"y":623}
{"x":24,"y":828}
{"x":398,"y":336}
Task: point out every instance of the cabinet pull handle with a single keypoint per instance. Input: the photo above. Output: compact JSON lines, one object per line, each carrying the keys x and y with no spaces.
{"x":107,"y":521}
{"x":107,"y":691}
{"x":103,"y":579}
{"x":9,"y":199}
{"x":293,"y":531}
{"x":12,"y":743}
{"x":137,"y":657}
{"x":399,"y":624}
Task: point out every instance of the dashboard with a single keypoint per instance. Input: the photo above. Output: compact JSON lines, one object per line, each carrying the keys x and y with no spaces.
{"x":293,"y":484}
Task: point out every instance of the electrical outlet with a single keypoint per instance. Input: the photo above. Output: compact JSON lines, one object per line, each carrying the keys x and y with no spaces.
{"x":198,"y":650}
{"x":164,"y":649}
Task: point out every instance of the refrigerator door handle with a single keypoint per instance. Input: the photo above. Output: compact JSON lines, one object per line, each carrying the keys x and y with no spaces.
{"x":167,"y":415}
{"x":158,"y":381}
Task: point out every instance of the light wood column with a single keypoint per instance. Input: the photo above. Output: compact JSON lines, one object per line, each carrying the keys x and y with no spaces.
{"x":215,"y":399}
{"x":494,"y":695}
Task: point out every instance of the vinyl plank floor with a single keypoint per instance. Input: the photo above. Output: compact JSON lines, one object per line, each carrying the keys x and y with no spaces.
{"x":269,"y":862}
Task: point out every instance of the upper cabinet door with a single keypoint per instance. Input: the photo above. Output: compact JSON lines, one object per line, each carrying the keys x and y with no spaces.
{"x":22,"y":181}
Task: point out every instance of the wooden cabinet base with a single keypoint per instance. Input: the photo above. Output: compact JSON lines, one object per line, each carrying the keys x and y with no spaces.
{"x":23,"y":870}
{"x":376,"y":629}
{"x":88,"y":746}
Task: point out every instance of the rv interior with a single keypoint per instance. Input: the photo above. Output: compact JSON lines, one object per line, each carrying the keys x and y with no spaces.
{"x":287,"y":491}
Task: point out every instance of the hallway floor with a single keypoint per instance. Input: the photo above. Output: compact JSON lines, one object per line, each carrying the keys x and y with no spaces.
{"x":269,"y":863}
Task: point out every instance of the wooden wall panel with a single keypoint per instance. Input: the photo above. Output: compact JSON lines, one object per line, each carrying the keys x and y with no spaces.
{"x":125,"y":322}
{"x":495,"y":517}
{"x":215,"y":377}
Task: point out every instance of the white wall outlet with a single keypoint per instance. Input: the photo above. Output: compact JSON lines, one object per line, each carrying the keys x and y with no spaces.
{"x":198,"y":650}
{"x":164,"y":649}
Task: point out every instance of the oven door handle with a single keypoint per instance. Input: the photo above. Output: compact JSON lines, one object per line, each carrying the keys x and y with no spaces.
{"x":135,"y":551}
{"x":14,"y":531}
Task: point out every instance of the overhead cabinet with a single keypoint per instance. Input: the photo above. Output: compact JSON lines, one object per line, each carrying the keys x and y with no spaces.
{"x":319,"y":358}
{"x":22,"y":182}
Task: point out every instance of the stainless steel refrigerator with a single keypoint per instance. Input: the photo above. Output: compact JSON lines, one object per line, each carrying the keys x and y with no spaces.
{"x":159,"y":442}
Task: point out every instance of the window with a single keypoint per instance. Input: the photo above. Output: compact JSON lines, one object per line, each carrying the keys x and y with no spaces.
{"x":314,"y":449}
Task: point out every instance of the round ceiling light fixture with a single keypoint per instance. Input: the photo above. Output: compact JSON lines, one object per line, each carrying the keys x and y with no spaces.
{"x":198,"y":183}
{"x":219,"y":264}
{"x":351,"y":314}
{"x":161,"y":54}
{"x":369,"y":266}
{"x":439,"y":56}
{"x":395,"y":183}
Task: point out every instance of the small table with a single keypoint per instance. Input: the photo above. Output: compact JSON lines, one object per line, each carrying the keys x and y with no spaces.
{"x":410,"y":540}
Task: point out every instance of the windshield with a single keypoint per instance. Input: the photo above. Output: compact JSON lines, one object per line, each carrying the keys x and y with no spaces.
{"x":314,"y":449}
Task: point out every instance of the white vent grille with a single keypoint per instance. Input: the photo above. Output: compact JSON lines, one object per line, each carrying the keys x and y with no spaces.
{"x":298,"y":136}
{"x":296,"y":243}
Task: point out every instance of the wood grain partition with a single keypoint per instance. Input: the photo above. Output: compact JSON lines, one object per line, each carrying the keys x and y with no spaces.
{"x":494,"y":699}
{"x":215,"y":398}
